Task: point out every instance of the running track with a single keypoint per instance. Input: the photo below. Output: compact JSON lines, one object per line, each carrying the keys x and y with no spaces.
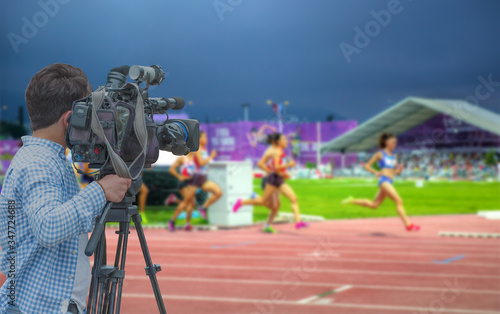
{"x":345,"y":266}
{"x":373,"y":264}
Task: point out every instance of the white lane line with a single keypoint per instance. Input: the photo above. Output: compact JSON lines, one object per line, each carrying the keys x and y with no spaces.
{"x":324,"y":294}
{"x":343,"y":288}
{"x":319,"y":254}
{"x":370,"y":249}
{"x":231,"y":245}
{"x":468,"y":234}
{"x":333,"y":240}
{"x":307,"y":300}
{"x":288,"y":258}
{"x":439,"y":243}
{"x":305,"y":283}
{"x":277,"y":302}
{"x":337,"y":248}
{"x":326,"y":270}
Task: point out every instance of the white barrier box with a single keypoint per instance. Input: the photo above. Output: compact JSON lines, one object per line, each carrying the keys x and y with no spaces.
{"x":236,"y":181}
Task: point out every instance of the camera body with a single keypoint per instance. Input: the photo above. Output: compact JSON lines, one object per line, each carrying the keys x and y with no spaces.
{"x":117,"y":122}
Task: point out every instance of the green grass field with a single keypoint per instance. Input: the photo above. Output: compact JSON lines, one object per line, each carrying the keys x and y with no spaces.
{"x":322,"y":197}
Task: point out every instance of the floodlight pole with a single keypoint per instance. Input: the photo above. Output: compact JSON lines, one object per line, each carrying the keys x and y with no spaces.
{"x":246,"y":107}
{"x":318,"y":146}
{"x":342,"y":160}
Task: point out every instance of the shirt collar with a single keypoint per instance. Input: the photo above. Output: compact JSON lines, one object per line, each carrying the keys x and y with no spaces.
{"x":31,"y":140}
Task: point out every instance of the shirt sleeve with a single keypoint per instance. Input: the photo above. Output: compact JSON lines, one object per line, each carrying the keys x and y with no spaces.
{"x":51,"y":219}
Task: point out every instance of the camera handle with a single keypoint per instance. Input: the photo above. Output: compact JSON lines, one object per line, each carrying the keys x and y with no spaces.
{"x":132,"y":171}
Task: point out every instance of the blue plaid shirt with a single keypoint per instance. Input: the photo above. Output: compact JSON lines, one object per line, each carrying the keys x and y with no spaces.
{"x":42,"y":212}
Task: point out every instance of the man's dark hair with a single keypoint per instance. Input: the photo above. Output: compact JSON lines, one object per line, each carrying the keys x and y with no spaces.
{"x":51,"y":93}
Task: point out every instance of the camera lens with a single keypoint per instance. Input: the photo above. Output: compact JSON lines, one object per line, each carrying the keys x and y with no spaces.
{"x":153,"y":74}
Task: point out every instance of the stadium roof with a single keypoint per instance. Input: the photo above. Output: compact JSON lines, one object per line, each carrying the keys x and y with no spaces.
{"x":407,"y":114}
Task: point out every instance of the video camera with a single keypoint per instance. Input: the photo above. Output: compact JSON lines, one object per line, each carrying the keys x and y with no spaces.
{"x":116,"y":123}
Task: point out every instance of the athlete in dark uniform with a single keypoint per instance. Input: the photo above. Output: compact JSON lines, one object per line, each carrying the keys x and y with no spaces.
{"x":274,"y":164}
{"x":193,"y":176}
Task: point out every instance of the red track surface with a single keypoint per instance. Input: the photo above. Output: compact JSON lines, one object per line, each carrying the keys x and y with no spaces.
{"x":389,"y":270}
{"x":380,"y":267}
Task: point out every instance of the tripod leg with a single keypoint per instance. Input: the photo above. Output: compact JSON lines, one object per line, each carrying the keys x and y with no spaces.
{"x":111,"y":306}
{"x":124,"y":236}
{"x":99,"y":260}
{"x":93,"y":284}
{"x":151,"y":269}
{"x":119,"y":245}
{"x":100,"y":302}
{"x":119,"y":248}
{"x":108,"y":297}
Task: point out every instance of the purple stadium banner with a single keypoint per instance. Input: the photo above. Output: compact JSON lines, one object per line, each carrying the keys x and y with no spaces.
{"x":8,"y":148}
{"x":239,"y":141}
{"x":247,"y":140}
{"x":445,"y":132}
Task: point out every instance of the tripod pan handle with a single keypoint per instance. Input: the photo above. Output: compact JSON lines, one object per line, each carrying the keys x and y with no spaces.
{"x":98,"y":230}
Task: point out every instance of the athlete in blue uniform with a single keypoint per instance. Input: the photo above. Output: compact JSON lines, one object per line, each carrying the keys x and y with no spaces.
{"x":388,"y":168}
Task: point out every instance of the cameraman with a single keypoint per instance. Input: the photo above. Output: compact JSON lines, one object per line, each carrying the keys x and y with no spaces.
{"x":45,"y":217}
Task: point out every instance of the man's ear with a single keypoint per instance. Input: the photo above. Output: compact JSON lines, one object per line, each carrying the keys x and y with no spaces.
{"x":65,"y":118}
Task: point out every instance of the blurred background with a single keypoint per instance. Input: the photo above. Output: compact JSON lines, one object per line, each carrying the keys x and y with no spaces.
{"x":329,"y":74}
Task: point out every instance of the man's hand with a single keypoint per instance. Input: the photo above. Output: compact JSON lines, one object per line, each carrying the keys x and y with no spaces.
{"x":114,"y":187}
{"x":213,"y":154}
{"x":291,"y":164}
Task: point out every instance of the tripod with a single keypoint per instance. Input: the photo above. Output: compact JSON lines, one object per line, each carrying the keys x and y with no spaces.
{"x":107,"y":280}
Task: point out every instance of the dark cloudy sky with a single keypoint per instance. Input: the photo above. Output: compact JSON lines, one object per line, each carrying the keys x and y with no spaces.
{"x":263,"y":49}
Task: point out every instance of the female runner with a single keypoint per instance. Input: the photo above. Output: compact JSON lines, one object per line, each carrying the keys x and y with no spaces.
{"x":388,"y":168}
{"x":193,"y":175}
{"x":142,"y":199}
{"x":187,"y":169}
{"x":273,"y":163}
{"x":274,"y":202}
